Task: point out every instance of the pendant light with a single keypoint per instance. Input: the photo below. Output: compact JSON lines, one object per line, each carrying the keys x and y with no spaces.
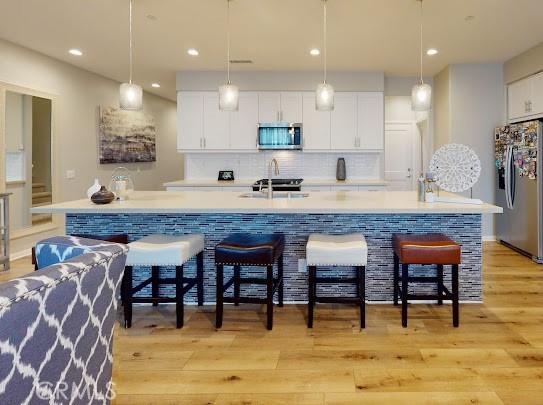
{"x":421,"y":95}
{"x":228,"y":93}
{"x":130,"y":94}
{"x":324,"y":96}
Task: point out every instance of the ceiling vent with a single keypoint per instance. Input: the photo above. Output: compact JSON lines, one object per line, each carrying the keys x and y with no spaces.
{"x":241,"y":61}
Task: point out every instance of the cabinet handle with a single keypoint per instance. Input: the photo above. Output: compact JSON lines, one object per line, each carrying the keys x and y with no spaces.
{"x":529,"y":106}
{"x":205,"y":143}
{"x":200,"y":143}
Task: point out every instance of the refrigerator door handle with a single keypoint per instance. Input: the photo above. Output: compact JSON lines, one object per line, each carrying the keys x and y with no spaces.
{"x":508,"y":157}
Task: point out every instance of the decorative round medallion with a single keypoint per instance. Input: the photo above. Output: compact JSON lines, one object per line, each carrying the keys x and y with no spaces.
{"x":456,"y":167}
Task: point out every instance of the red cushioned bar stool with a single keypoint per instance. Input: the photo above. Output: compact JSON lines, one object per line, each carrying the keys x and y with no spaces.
{"x":434,"y":248}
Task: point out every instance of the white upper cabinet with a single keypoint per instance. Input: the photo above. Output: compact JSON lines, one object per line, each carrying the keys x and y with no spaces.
{"x":291,"y":107}
{"x":279,"y":106}
{"x":343,"y":132}
{"x":525,"y":98}
{"x":537,"y":94}
{"x":269,"y":106}
{"x":244,"y":122}
{"x":518,"y":99}
{"x":357,"y":122}
{"x":190,"y":120}
{"x":371,"y":121}
{"x":216,"y":123}
{"x":316,"y":125}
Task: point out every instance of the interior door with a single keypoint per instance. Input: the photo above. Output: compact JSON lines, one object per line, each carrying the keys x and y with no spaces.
{"x":343,"y":125}
{"x":244,"y":122}
{"x":399,"y":156}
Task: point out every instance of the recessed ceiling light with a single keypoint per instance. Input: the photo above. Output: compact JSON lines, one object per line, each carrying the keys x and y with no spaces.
{"x":315,"y":52}
{"x":155,"y":85}
{"x":193,"y":52}
{"x":431,"y":52}
{"x":75,"y":52}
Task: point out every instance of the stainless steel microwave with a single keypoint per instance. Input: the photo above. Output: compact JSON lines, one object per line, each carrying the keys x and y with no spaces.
{"x":280,"y":135}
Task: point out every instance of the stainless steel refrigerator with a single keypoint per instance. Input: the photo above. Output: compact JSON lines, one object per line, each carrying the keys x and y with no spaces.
{"x":519,"y":188}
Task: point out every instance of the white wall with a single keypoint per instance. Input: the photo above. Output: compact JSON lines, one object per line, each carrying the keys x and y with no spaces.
{"x":79,"y":95}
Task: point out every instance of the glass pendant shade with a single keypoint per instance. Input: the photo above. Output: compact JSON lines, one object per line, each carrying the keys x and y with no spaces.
{"x":130,"y":97}
{"x":421,"y":97}
{"x":228,"y":97}
{"x":324,"y":97}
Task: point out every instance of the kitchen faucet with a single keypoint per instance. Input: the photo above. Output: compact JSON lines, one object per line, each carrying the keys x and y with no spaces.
{"x":273,"y":163}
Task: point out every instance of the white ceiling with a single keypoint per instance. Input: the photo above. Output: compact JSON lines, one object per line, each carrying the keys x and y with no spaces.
{"x":275,"y":34}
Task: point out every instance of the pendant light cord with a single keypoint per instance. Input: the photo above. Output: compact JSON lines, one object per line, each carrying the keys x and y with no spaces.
{"x":324,"y":39}
{"x":421,"y":19}
{"x":228,"y":40}
{"x":130,"y":40}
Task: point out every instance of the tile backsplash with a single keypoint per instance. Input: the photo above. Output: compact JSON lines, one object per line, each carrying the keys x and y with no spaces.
{"x":291,"y":164}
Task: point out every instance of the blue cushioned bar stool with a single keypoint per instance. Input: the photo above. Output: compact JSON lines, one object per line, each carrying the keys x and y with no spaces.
{"x":250,"y":250}
{"x":337,"y":250}
{"x":163,"y":250}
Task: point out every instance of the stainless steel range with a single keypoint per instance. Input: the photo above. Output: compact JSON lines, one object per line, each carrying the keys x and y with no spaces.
{"x":279,"y":184}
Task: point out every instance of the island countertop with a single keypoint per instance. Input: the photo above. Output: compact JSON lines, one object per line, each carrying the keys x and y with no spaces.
{"x":355,"y":202}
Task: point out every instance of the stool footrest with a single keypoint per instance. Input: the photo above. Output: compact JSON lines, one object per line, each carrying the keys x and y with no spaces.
{"x":337,"y":300}
{"x":423,"y":279}
{"x":336,"y":280}
{"x":148,"y":300}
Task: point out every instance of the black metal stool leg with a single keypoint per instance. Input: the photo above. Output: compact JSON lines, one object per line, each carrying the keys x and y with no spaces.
{"x":280,"y":289}
{"x":396,"y":278}
{"x":155,"y":274}
{"x":219,"y":305}
{"x":362,"y":294}
{"x":311,"y":293}
{"x":179,"y":296}
{"x":200,"y":278}
{"x":237,"y":276}
{"x":440,"y":283}
{"x":127,"y":299}
{"x":405,"y":275}
{"x":269,"y":297}
{"x":455,"y":295}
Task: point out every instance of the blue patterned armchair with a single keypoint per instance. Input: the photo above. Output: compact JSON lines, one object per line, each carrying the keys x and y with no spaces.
{"x":56,"y":325}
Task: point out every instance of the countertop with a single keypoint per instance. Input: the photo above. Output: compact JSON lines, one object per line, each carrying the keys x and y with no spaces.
{"x":248,"y":183}
{"x":353,"y":202}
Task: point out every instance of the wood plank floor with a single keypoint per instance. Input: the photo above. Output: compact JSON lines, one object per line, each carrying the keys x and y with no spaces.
{"x":496,"y":356}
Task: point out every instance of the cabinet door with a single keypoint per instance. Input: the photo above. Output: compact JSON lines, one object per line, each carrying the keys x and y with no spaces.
{"x":316,"y":125}
{"x":343,"y":131}
{"x":244,"y":122}
{"x":537,"y":94}
{"x":216,"y":126}
{"x":190,"y":120}
{"x":269,"y":105}
{"x":291,"y":107}
{"x":371,"y":120}
{"x":518,"y":96}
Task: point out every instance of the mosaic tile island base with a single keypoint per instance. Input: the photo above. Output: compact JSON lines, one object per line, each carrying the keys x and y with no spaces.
{"x":377,"y":215}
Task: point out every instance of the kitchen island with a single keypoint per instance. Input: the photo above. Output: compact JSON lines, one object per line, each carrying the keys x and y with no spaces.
{"x":377,"y":215}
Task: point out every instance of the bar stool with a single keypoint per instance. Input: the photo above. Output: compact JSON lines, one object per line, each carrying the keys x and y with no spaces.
{"x":337,"y":250}
{"x":250,"y":250}
{"x":433,"y":248}
{"x":157,"y":251}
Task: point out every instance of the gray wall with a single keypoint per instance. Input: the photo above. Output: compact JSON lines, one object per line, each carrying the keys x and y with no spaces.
{"x":290,"y":81}
{"x":525,"y":64}
{"x":476,"y":106}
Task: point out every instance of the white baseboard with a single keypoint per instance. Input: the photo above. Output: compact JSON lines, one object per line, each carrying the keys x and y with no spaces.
{"x":489,"y":238}
{"x":21,"y":254}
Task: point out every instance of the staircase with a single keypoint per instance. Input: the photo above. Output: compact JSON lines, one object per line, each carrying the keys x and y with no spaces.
{"x":40,"y":197}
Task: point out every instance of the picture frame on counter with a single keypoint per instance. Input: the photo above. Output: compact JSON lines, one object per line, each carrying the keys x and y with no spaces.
{"x":226,"y":175}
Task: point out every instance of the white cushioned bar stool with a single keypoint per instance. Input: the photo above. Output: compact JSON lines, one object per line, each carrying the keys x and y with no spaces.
{"x":157,"y":251}
{"x":337,"y":250}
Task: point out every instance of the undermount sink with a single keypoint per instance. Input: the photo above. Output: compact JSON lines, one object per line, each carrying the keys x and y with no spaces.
{"x":276,"y":195}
